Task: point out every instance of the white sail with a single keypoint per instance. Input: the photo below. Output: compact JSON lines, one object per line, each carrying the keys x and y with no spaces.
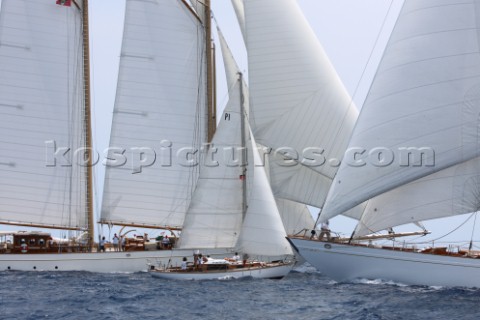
{"x":215,"y":215}
{"x":297,"y":100}
{"x":160,"y":106}
{"x":453,"y":191}
{"x":216,"y":212}
{"x":425,"y":96}
{"x":295,"y":216}
{"x":231,"y":67}
{"x":41,"y":100}
{"x":262,"y":233}
{"x":240,"y":13}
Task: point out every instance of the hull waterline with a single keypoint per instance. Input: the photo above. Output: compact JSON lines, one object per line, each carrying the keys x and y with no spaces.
{"x":344,"y":262}
{"x":109,"y":262}
{"x":269,"y":272}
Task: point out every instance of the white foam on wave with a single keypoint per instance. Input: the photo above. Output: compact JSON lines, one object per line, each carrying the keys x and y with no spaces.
{"x":306,"y":268}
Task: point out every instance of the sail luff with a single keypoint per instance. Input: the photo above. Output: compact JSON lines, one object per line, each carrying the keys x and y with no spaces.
{"x":240,"y":13}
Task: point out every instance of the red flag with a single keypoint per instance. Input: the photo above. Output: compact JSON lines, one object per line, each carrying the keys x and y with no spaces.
{"x":67,"y":3}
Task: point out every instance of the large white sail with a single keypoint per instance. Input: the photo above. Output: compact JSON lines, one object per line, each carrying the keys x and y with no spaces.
{"x":215,"y":215}
{"x":262,"y":233}
{"x":231,"y":68}
{"x":216,"y":212}
{"x":240,"y":13}
{"x":452,"y":191}
{"x":425,"y":96}
{"x":42,"y":111}
{"x":295,"y":216}
{"x":160,"y":105}
{"x":297,"y":99}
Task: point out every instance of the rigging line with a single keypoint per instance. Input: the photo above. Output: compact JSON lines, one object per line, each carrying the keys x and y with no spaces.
{"x":372,"y":51}
{"x":369,"y":60}
{"x":449,"y":233}
{"x":363,"y":75}
{"x":194,"y":171}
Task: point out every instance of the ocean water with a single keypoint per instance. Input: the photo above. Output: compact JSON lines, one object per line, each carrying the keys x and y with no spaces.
{"x":304,"y":294}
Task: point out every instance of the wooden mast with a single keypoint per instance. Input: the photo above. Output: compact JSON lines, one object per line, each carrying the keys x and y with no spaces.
{"x":88,"y":125}
{"x":244,"y":147}
{"x":211,"y":108}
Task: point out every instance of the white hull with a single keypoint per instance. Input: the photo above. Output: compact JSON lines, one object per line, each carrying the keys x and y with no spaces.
{"x":135,"y":261}
{"x":344,"y":263}
{"x":266,"y":272}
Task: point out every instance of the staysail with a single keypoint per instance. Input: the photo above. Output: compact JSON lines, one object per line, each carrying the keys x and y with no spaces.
{"x":159,"y":117}
{"x":262,"y":233}
{"x":422,"y":114}
{"x":297,"y":100}
{"x":42,"y":107}
{"x":449,"y":192}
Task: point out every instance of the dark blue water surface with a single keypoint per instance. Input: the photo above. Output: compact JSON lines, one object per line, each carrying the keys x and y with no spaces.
{"x":301,"y":295}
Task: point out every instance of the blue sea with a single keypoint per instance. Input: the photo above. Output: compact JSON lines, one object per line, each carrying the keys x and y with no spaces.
{"x":304,"y":294}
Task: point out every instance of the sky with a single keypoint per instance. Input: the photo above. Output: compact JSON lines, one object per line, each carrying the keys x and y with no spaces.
{"x":353,"y":33}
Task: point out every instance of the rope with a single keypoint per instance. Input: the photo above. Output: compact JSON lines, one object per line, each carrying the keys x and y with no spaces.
{"x":449,"y":233}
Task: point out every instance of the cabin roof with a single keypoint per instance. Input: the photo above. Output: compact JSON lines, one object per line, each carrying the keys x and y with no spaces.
{"x":24,"y":233}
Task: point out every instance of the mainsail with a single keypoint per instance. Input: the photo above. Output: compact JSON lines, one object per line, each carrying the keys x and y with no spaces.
{"x":160,"y":106}
{"x":42,"y":107}
{"x":426,"y":94}
{"x":297,"y":99}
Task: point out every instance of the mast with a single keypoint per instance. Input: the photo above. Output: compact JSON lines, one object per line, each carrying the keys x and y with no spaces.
{"x":211,"y":107}
{"x":88,"y":125}
{"x":242,"y":126}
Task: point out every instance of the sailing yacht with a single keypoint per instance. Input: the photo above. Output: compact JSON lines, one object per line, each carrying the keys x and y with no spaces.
{"x":235,"y":203}
{"x":417,"y":153}
{"x":45,"y":101}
